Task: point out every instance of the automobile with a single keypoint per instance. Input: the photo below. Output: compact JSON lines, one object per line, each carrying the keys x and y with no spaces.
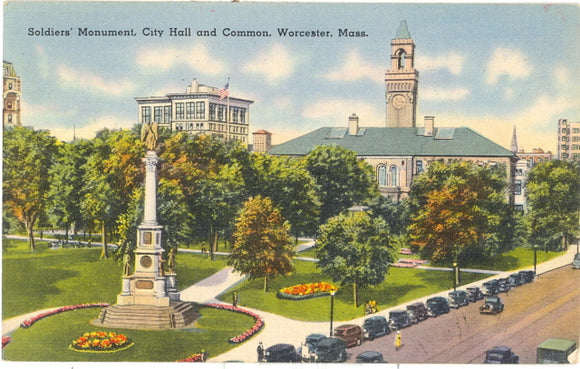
{"x":282,"y":353}
{"x":437,"y":305}
{"x":474,"y":294}
{"x":375,"y":326}
{"x":491,"y":305}
{"x":516,"y":279}
{"x":313,"y":339}
{"x":419,"y":310}
{"x":399,"y":319}
{"x":504,"y":285}
{"x":490,"y":288}
{"x":412,"y":317}
{"x":370,"y":357}
{"x":556,"y":351}
{"x":501,"y":355}
{"x":458,"y":298}
{"x":528,"y":275}
{"x":331,"y":350}
{"x":576,"y":262}
{"x":351,"y":334}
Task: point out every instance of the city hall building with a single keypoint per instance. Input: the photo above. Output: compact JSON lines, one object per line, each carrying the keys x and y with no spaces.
{"x":399,"y":151}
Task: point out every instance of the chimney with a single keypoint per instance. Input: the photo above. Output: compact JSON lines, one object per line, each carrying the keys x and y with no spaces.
{"x":353,"y":125}
{"x":194,"y":87}
{"x":429,"y":125}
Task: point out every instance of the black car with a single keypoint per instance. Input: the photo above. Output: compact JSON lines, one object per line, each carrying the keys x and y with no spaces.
{"x":419,"y":310}
{"x":528,"y":275}
{"x":504,"y":284}
{"x":474,"y":294}
{"x":312,"y":341}
{"x":458,"y":298}
{"x":375,"y":326}
{"x":437,"y":305}
{"x":399,"y":319}
{"x":576,"y":262}
{"x":501,"y":355}
{"x":282,"y":353}
{"x":331,"y":350}
{"x":491,"y":305}
{"x":490,"y":288}
{"x":516,"y":279}
{"x":370,"y":357}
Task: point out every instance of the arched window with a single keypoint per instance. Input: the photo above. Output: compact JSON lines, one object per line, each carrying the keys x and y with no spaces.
{"x":401,"y":59}
{"x":394,"y":176}
{"x":382,"y":175}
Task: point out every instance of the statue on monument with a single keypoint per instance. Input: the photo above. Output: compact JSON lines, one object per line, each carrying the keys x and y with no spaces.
{"x":149,"y":135}
{"x":171,"y":260}
{"x":126,"y":264}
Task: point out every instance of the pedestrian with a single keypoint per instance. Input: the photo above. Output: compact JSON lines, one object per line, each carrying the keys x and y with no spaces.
{"x":398,"y":341}
{"x":203,"y":355}
{"x":235,"y":299}
{"x":260,"y":351}
{"x":305,"y":352}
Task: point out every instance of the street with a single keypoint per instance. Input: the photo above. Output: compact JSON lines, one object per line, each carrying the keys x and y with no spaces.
{"x":546,"y":308}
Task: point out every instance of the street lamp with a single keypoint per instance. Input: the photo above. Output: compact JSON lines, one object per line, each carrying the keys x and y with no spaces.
{"x":535,"y":258}
{"x":331,"y":310}
{"x":454,"y":276}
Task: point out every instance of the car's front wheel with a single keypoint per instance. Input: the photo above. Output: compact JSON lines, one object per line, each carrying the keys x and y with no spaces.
{"x":359,"y":342}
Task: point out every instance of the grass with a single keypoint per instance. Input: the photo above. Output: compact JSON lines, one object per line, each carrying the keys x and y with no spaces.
{"x":49,"y":338}
{"x":518,"y":258}
{"x":400,"y":285}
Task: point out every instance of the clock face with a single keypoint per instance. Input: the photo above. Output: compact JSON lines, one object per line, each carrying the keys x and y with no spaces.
{"x":399,"y":101}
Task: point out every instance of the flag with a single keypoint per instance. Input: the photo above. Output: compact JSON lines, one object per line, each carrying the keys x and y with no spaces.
{"x":224,"y":92}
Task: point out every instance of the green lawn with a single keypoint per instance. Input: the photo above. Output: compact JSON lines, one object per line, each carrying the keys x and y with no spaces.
{"x":521,"y":257}
{"x":49,"y":338}
{"x":401,"y":285}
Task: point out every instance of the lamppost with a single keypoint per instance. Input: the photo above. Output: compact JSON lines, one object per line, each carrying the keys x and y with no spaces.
{"x":454,"y":276}
{"x":331,"y":310}
{"x":535,"y":257}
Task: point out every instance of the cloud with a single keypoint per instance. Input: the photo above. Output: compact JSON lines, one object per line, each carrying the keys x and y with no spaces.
{"x":355,"y":68}
{"x":197,"y":57}
{"x":335,"y":112}
{"x":87,"y":81}
{"x":562,"y":75}
{"x":451,"y":61}
{"x":275,"y":65}
{"x":507,"y":62}
{"x":458,"y":93}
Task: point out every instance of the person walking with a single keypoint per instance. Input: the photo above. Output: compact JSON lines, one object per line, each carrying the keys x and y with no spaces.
{"x":260,"y":351}
{"x":398,"y":342}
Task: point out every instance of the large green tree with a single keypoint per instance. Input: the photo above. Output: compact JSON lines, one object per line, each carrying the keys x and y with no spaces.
{"x":262,"y":244}
{"x":553,"y":194}
{"x":457,"y":210}
{"x":28,"y":155}
{"x":353,"y":248}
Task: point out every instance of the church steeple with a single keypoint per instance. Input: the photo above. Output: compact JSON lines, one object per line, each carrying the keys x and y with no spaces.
{"x":515,"y":147}
{"x":402,"y":81}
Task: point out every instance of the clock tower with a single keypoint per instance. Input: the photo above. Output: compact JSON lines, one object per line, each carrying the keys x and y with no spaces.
{"x":401,"y":81}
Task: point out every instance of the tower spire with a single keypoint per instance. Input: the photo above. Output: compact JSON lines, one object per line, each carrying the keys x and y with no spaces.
{"x":515,"y":147}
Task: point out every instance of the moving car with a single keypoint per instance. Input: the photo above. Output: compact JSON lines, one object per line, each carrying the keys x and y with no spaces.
{"x":282,"y":353}
{"x":351,"y":334}
{"x":555,"y":351}
{"x":474,"y":294}
{"x":437,"y":305}
{"x":491,"y":305}
{"x":399,"y":319}
{"x":330,"y":350}
{"x":490,"y":288}
{"x":501,"y":355}
{"x":419,"y":310}
{"x":458,"y":298}
{"x":375,"y":326}
{"x":370,"y":357}
{"x":576,"y":262}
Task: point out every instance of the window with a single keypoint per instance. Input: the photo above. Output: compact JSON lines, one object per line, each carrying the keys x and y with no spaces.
{"x":145,"y":114}
{"x":401,"y":59}
{"x":419,"y":166}
{"x":382,"y":175}
{"x":235,"y":114}
{"x":200,"y":110}
{"x":221,"y":113}
{"x":564,"y":147}
{"x":9,"y":118}
{"x":565,"y":139}
{"x":189,"y":110}
{"x":394,"y":176}
{"x":575,"y":130}
{"x":157,"y":114}
{"x":518,"y":187}
{"x":576,"y":139}
{"x":167,"y":114}
{"x":575,"y":147}
{"x":212,"y":111}
{"x":519,"y":208}
{"x":179,"y":111}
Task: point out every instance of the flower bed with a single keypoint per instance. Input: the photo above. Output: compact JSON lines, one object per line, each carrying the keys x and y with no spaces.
{"x":197,"y":358}
{"x":306,"y":291}
{"x":5,"y":340}
{"x":250,"y":332}
{"x":29,"y":322}
{"x":101,"y":342}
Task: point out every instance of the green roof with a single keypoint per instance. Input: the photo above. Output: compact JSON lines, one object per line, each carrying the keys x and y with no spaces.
{"x":403,"y":31}
{"x":385,"y":141}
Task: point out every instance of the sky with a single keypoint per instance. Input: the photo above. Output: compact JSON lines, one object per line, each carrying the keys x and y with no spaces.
{"x":489,"y":67}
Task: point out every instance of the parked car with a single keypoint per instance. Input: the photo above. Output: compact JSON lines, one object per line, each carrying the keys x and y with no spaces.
{"x":490,"y":288}
{"x":491,"y":305}
{"x":370,"y":357}
{"x":282,"y":353}
{"x":516,"y":279}
{"x":312,"y":341}
{"x":419,"y":310}
{"x":331,"y":350}
{"x":501,"y":355}
{"x":458,"y":298}
{"x":474,"y":294}
{"x":437,"y":305}
{"x":375,"y":326}
{"x":528,"y":275}
{"x":555,"y":351}
{"x":351,"y":334}
{"x":412,"y":317}
{"x":576,"y":262}
{"x":399,"y":319}
{"x":504,"y":285}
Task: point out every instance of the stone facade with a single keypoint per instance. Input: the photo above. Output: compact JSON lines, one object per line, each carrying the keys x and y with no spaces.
{"x":568,"y":140}
{"x":12,"y":94}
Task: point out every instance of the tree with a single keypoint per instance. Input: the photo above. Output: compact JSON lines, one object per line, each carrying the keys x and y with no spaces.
{"x":457,"y":210}
{"x":354,"y":249}
{"x":342,"y":179}
{"x":262,"y":244}
{"x":28,"y":156}
{"x":553,"y":194}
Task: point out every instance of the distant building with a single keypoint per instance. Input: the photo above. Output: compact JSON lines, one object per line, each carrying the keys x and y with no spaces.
{"x":12,"y":93}
{"x":568,"y":140}
{"x":199,"y":110}
{"x":262,"y":141}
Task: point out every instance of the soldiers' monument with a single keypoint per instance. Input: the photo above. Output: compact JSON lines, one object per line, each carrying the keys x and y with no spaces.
{"x":149,"y":298}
